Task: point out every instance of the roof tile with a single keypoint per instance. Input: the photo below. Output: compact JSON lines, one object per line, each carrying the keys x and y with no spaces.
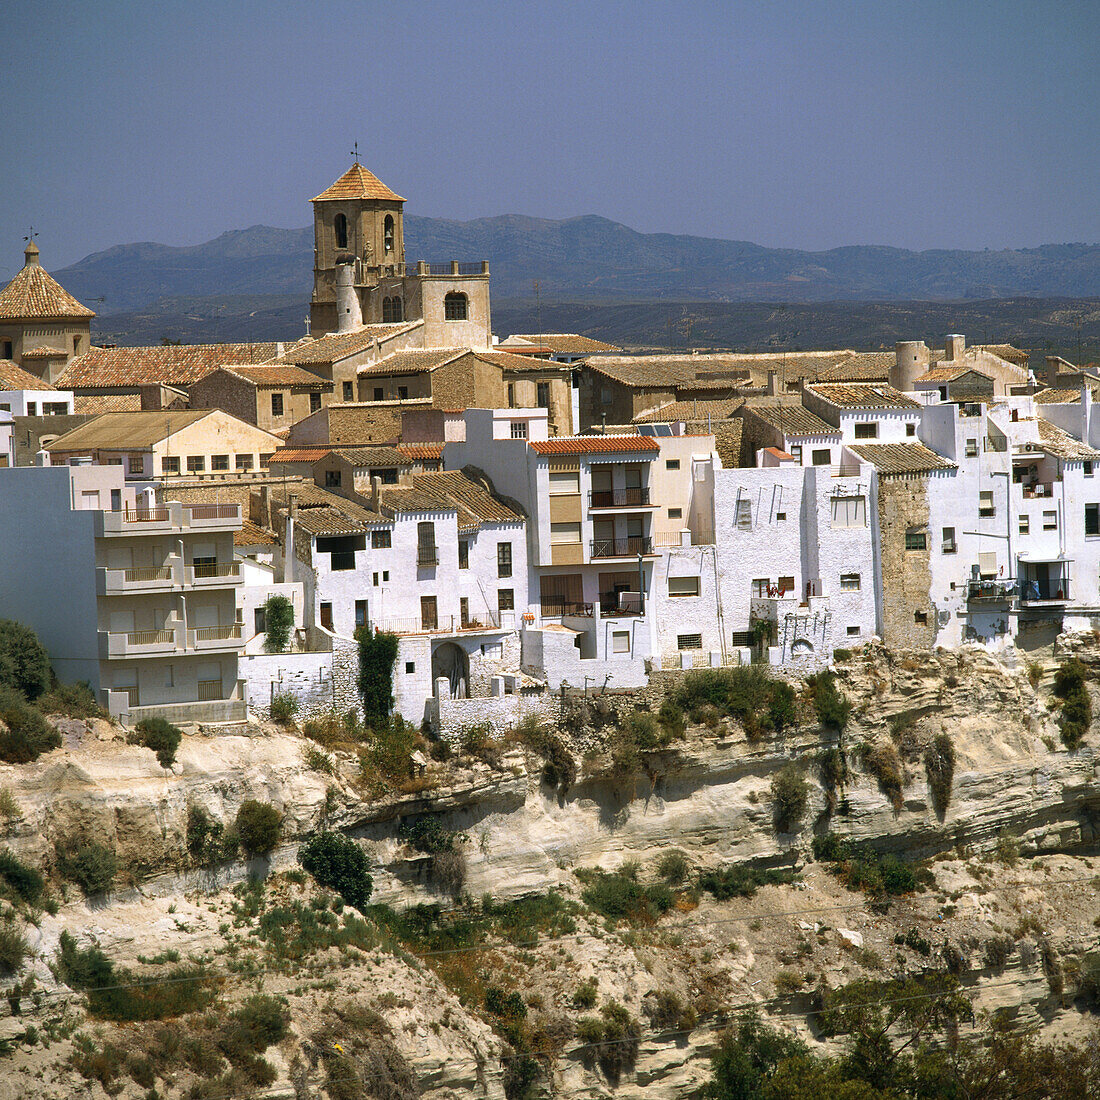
{"x":172,"y":364}
{"x":35,"y":295}
{"x":595,"y":444}
{"x":901,"y":458}
{"x":358,"y":183}
{"x":14,"y":377}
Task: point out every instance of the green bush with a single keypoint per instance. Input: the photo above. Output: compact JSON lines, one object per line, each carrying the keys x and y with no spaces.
{"x":426,"y":834}
{"x":377,"y":654}
{"x":790,"y":794}
{"x":258,"y":825}
{"x":832,"y":767}
{"x":159,"y":735}
{"x":337,"y":862}
{"x":861,"y":868}
{"x":915,"y":941}
{"x":283,"y":708}
{"x":207,"y":839}
{"x":673,"y":868}
{"x":559,"y":768}
{"x":620,"y":896}
{"x":739,"y":881}
{"x":26,"y":734}
{"x":832,"y":708}
{"x":24,"y":663}
{"x":882,"y":760}
{"x":387,"y":752}
{"x":841,"y":655}
{"x":939,"y":766}
{"x":584,"y":996}
{"x":278,"y":622}
{"x":748,"y":693}
{"x":611,"y":1041}
{"x":508,"y":1005}
{"x":13,"y":948}
{"x":91,"y":866}
{"x":671,"y":717}
{"x":25,"y":882}
{"x":1076,"y":716}
{"x":71,"y":700}
{"x":665,"y":1011}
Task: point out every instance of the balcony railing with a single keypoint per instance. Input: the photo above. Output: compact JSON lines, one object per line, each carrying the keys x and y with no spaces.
{"x":622,"y":548}
{"x":151,"y":573}
{"x":1038,"y":489}
{"x":217,"y":569}
{"x":150,"y":637}
{"x":145,"y":515}
{"x":846,"y":469}
{"x":1044,"y":589}
{"x":217,"y":633}
{"x":554,"y":608}
{"x":427,"y":555}
{"x":998,"y":590}
{"x":617,"y":604}
{"x":214,"y":511}
{"x":442,"y":624}
{"x":618,"y":498}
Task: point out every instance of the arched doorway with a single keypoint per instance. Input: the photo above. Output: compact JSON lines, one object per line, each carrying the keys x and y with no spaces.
{"x":450,"y":660}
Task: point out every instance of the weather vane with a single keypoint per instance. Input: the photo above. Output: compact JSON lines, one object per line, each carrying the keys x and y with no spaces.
{"x":29,"y":238}
{"x":355,"y":152}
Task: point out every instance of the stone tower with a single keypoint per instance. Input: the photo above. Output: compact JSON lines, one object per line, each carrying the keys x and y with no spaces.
{"x":358,"y":250}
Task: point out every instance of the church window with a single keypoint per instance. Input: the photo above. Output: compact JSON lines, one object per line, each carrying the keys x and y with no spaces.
{"x":454,"y":307}
{"x":387,"y":233}
{"x":393,"y":309}
{"x":340,"y":224}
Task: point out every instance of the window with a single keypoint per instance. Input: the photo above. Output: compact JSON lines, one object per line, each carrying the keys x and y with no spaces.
{"x":920,"y":618}
{"x":137,"y":464}
{"x":605,"y":395}
{"x":785,"y":584}
{"x":916,"y":538}
{"x":867,"y":431}
{"x":849,"y":511}
{"x":504,"y":559}
{"x":561,"y":595}
{"x":565,"y":532}
{"x":672,"y":463}
{"x":853,"y":632}
{"x":683,"y":586}
{"x":971,"y":448}
{"x":1092,"y":519}
{"x":849,"y":582}
{"x":170,"y":464}
{"x":217,"y":462}
{"x":511,"y":395}
{"x":506,"y":599}
{"x":743,"y":517}
{"x":314,"y":402}
{"x":260,"y":620}
{"x":380,"y":540}
{"x":948,"y":540}
{"x":454,"y":307}
{"x":387,"y":233}
{"x":544,"y":395}
{"x":385,"y":576}
{"x":428,"y":616}
{"x":349,"y":391}
{"x":1088,"y":469}
{"x":464,"y":611}
{"x":276,"y":404}
{"x":760,"y":587}
{"x":985,"y":503}
{"x":519,"y":429}
{"x":463,"y":554}
{"x":795,"y":451}
{"x":360,"y":612}
{"x":341,"y":549}
{"x":5,"y":349}
{"x":1025,"y":524}
{"x":196,"y":464}
{"x":244,"y":462}
{"x":340,"y":227}
{"x":375,"y":580}
{"x":378,"y":393}
{"x":326,"y":615}
{"x":425,"y":544}
{"x":910,"y":430}
{"x":689,"y":641}
{"x":1050,"y":521}
{"x":402,"y":393}
{"x":675,"y":513}
{"x":822,"y":457}
{"x":410,"y":667}
{"x":32,"y":408}
{"x":332,"y":479}
{"x":564,"y":481}
{"x":620,"y":641}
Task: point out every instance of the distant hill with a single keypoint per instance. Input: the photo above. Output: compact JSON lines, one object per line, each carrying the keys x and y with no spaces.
{"x":592,"y":258}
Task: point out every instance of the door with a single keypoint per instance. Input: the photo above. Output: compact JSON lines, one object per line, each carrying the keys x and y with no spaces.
{"x":209,"y":680}
{"x":428,"y":617}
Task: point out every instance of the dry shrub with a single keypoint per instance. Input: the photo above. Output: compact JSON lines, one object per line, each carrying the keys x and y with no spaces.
{"x":882,"y":760}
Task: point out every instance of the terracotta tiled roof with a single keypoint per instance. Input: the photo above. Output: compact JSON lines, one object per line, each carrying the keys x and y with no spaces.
{"x":472,"y":496}
{"x":413,"y":361}
{"x":717,"y":408}
{"x":595,"y":444}
{"x":125,"y":430}
{"x":1008,"y":352}
{"x":372,"y":456}
{"x":564,"y":343}
{"x":252,"y":534}
{"x":14,"y":377}
{"x":280,"y":374}
{"x":1063,"y":445}
{"x":677,"y":370}
{"x":507,"y":361}
{"x":420,"y":451}
{"x":873,"y":366}
{"x":792,"y":420}
{"x":902,"y":458}
{"x":775,"y":452}
{"x":173,"y":364}
{"x":288,"y":455}
{"x":358,"y":183}
{"x":1057,"y":397}
{"x":862,"y":395}
{"x":339,"y":345}
{"x":107,"y":402}
{"x":45,"y":353}
{"x":34,"y":295}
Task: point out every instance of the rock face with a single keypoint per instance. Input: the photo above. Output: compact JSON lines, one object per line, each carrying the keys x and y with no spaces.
{"x":707,"y":797}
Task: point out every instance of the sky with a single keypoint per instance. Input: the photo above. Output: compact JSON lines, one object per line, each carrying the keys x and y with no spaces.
{"x":954,"y":124}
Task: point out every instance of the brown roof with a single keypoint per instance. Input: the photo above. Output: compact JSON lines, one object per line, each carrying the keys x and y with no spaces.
{"x":862,"y":395}
{"x":45,"y":353}
{"x":868,"y":366}
{"x":507,"y":361}
{"x":565,"y":343}
{"x":678,"y":370}
{"x":280,"y":374}
{"x":118,"y":431}
{"x":298,"y":454}
{"x":1057,"y":397}
{"x":413,"y":361}
{"x":594,"y":444}
{"x":323,"y":513}
{"x":339,"y":345}
{"x":901,"y":458}
{"x":252,"y":534}
{"x":172,"y":364}
{"x":14,"y":377}
{"x":792,"y":420}
{"x":34,"y":295}
{"x":358,"y":183}
{"x":372,"y":456}
{"x":717,"y":408}
{"x":471,"y":495}
{"x":1008,"y":352}
{"x":107,"y":402}
{"x":420,"y":451}
{"x":1063,"y":445}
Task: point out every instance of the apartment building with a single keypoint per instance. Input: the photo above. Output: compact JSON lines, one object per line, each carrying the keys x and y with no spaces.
{"x":134,"y":595}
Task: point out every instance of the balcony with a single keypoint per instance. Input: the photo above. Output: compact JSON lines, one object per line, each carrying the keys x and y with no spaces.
{"x":630,"y":547}
{"x":213,"y":575}
{"x":427,"y":556}
{"x":991,"y":591}
{"x":553,"y":609}
{"x":213,"y":516}
{"x":1044,"y":590}
{"x":136,"y":521}
{"x":215,"y":637}
{"x":637,"y":497}
{"x":617,"y":605}
{"x":138,"y":643}
{"x":121,"y":582}
{"x":443,"y":624}
{"x":1038,"y":489}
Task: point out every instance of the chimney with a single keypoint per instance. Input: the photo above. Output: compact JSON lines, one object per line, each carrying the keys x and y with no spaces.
{"x":375,"y":493}
{"x":954,"y":346}
{"x":42,"y":458}
{"x":263,"y":517}
{"x":349,"y":316}
{"x":773,"y":383}
{"x":1052,"y":362}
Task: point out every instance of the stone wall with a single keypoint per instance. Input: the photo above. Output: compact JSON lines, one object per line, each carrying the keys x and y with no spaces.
{"x":906,"y":574}
{"x":306,"y":676}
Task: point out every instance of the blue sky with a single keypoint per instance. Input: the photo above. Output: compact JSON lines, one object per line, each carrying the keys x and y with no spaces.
{"x":811,"y":125}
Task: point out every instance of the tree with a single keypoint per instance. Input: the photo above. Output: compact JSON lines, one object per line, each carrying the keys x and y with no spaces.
{"x":24,"y":663}
{"x":258,"y":825}
{"x":278,"y":621}
{"x":337,"y":862}
{"x":377,"y":653}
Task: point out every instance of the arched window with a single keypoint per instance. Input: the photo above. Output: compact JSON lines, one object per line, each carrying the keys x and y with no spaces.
{"x":340,"y":224}
{"x":454,"y":307}
{"x":387,"y":233}
{"x":393,"y":309}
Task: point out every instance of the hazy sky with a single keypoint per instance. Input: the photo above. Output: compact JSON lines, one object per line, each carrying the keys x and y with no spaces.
{"x":937,"y":124}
